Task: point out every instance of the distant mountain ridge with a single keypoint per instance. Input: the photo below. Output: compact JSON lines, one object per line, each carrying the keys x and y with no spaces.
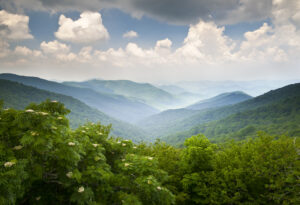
{"x":142,"y":92}
{"x":116,"y":106}
{"x":220,"y":100}
{"x":18,"y":96}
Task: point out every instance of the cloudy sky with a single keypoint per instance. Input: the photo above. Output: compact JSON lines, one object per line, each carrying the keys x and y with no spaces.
{"x":151,"y":40}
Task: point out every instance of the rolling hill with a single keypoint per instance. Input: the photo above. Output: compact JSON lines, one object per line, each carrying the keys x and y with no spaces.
{"x":220,"y":100}
{"x":18,"y":96}
{"x":142,"y":92}
{"x":116,"y":106}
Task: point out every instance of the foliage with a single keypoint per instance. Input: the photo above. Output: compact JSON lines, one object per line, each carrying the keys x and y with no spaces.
{"x":44,"y":161}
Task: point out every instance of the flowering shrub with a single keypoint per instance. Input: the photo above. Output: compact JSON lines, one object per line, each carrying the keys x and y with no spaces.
{"x":43,"y":161}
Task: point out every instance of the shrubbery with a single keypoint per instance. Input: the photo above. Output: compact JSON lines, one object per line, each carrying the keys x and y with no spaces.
{"x":43,"y":161}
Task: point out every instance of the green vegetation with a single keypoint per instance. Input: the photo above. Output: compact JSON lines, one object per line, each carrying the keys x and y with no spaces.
{"x":43,"y":161}
{"x":18,"y":96}
{"x":116,"y":106}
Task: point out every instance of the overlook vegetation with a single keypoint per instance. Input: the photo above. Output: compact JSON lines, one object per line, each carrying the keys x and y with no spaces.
{"x":44,"y":161}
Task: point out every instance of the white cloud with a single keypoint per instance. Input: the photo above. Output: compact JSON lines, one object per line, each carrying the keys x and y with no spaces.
{"x":14,"y":26}
{"x":130,"y":34}
{"x":87,"y":29}
{"x":206,"y":42}
{"x":54,"y":47}
{"x":166,"y":43}
{"x":24,"y":51}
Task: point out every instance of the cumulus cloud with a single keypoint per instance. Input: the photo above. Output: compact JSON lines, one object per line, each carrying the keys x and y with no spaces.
{"x":14,"y":26}
{"x":54,"y":47}
{"x":88,"y":28}
{"x":130,"y":34}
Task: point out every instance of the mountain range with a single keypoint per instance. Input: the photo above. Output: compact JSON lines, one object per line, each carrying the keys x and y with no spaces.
{"x":117,"y":106}
{"x":139,"y":111}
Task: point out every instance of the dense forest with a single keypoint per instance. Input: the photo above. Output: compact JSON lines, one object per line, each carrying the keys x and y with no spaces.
{"x":44,"y":161}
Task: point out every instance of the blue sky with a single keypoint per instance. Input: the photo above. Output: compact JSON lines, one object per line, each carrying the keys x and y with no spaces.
{"x":43,"y":25}
{"x":170,"y":40}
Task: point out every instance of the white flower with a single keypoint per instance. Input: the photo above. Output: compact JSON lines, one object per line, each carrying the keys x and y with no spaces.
{"x":158,"y":188}
{"x":43,"y":113}
{"x":81,"y":189}
{"x":123,"y":144}
{"x":100,"y":133}
{"x":83,"y":131}
{"x":123,"y":160}
{"x":150,"y":158}
{"x":60,"y":118}
{"x":69,"y":174}
{"x":38,"y":198}
{"x":34,"y":133}
{"x":134,"y":147}
{"x":118,"y":142}
{"x":71,"y":144}
{"x":54,"y":101}
{"x":95,"y":145}
{"x":18,"y":147}
{"x":9,"y":164}
{"x":29,"y":110}
{"x":126,"y":164}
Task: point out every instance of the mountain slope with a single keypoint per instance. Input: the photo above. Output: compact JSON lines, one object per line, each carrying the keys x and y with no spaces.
{"x":278,"y":118}
{"x":18,"y":96}
{"x":143,"y":92}
{"x":189,"y":121}
{"x":220,"y":100}
{"x":116,"y":106}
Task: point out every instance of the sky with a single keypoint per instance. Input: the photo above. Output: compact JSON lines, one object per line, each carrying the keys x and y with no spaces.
{"x":159,"y":41}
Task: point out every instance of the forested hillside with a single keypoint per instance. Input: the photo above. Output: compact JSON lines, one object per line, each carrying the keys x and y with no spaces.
{"x":18,"y":96}
{"x":116,"y":106}
{"x":43,"y":161}
{"x":189,"y":120}
{"x":282,"y":118}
